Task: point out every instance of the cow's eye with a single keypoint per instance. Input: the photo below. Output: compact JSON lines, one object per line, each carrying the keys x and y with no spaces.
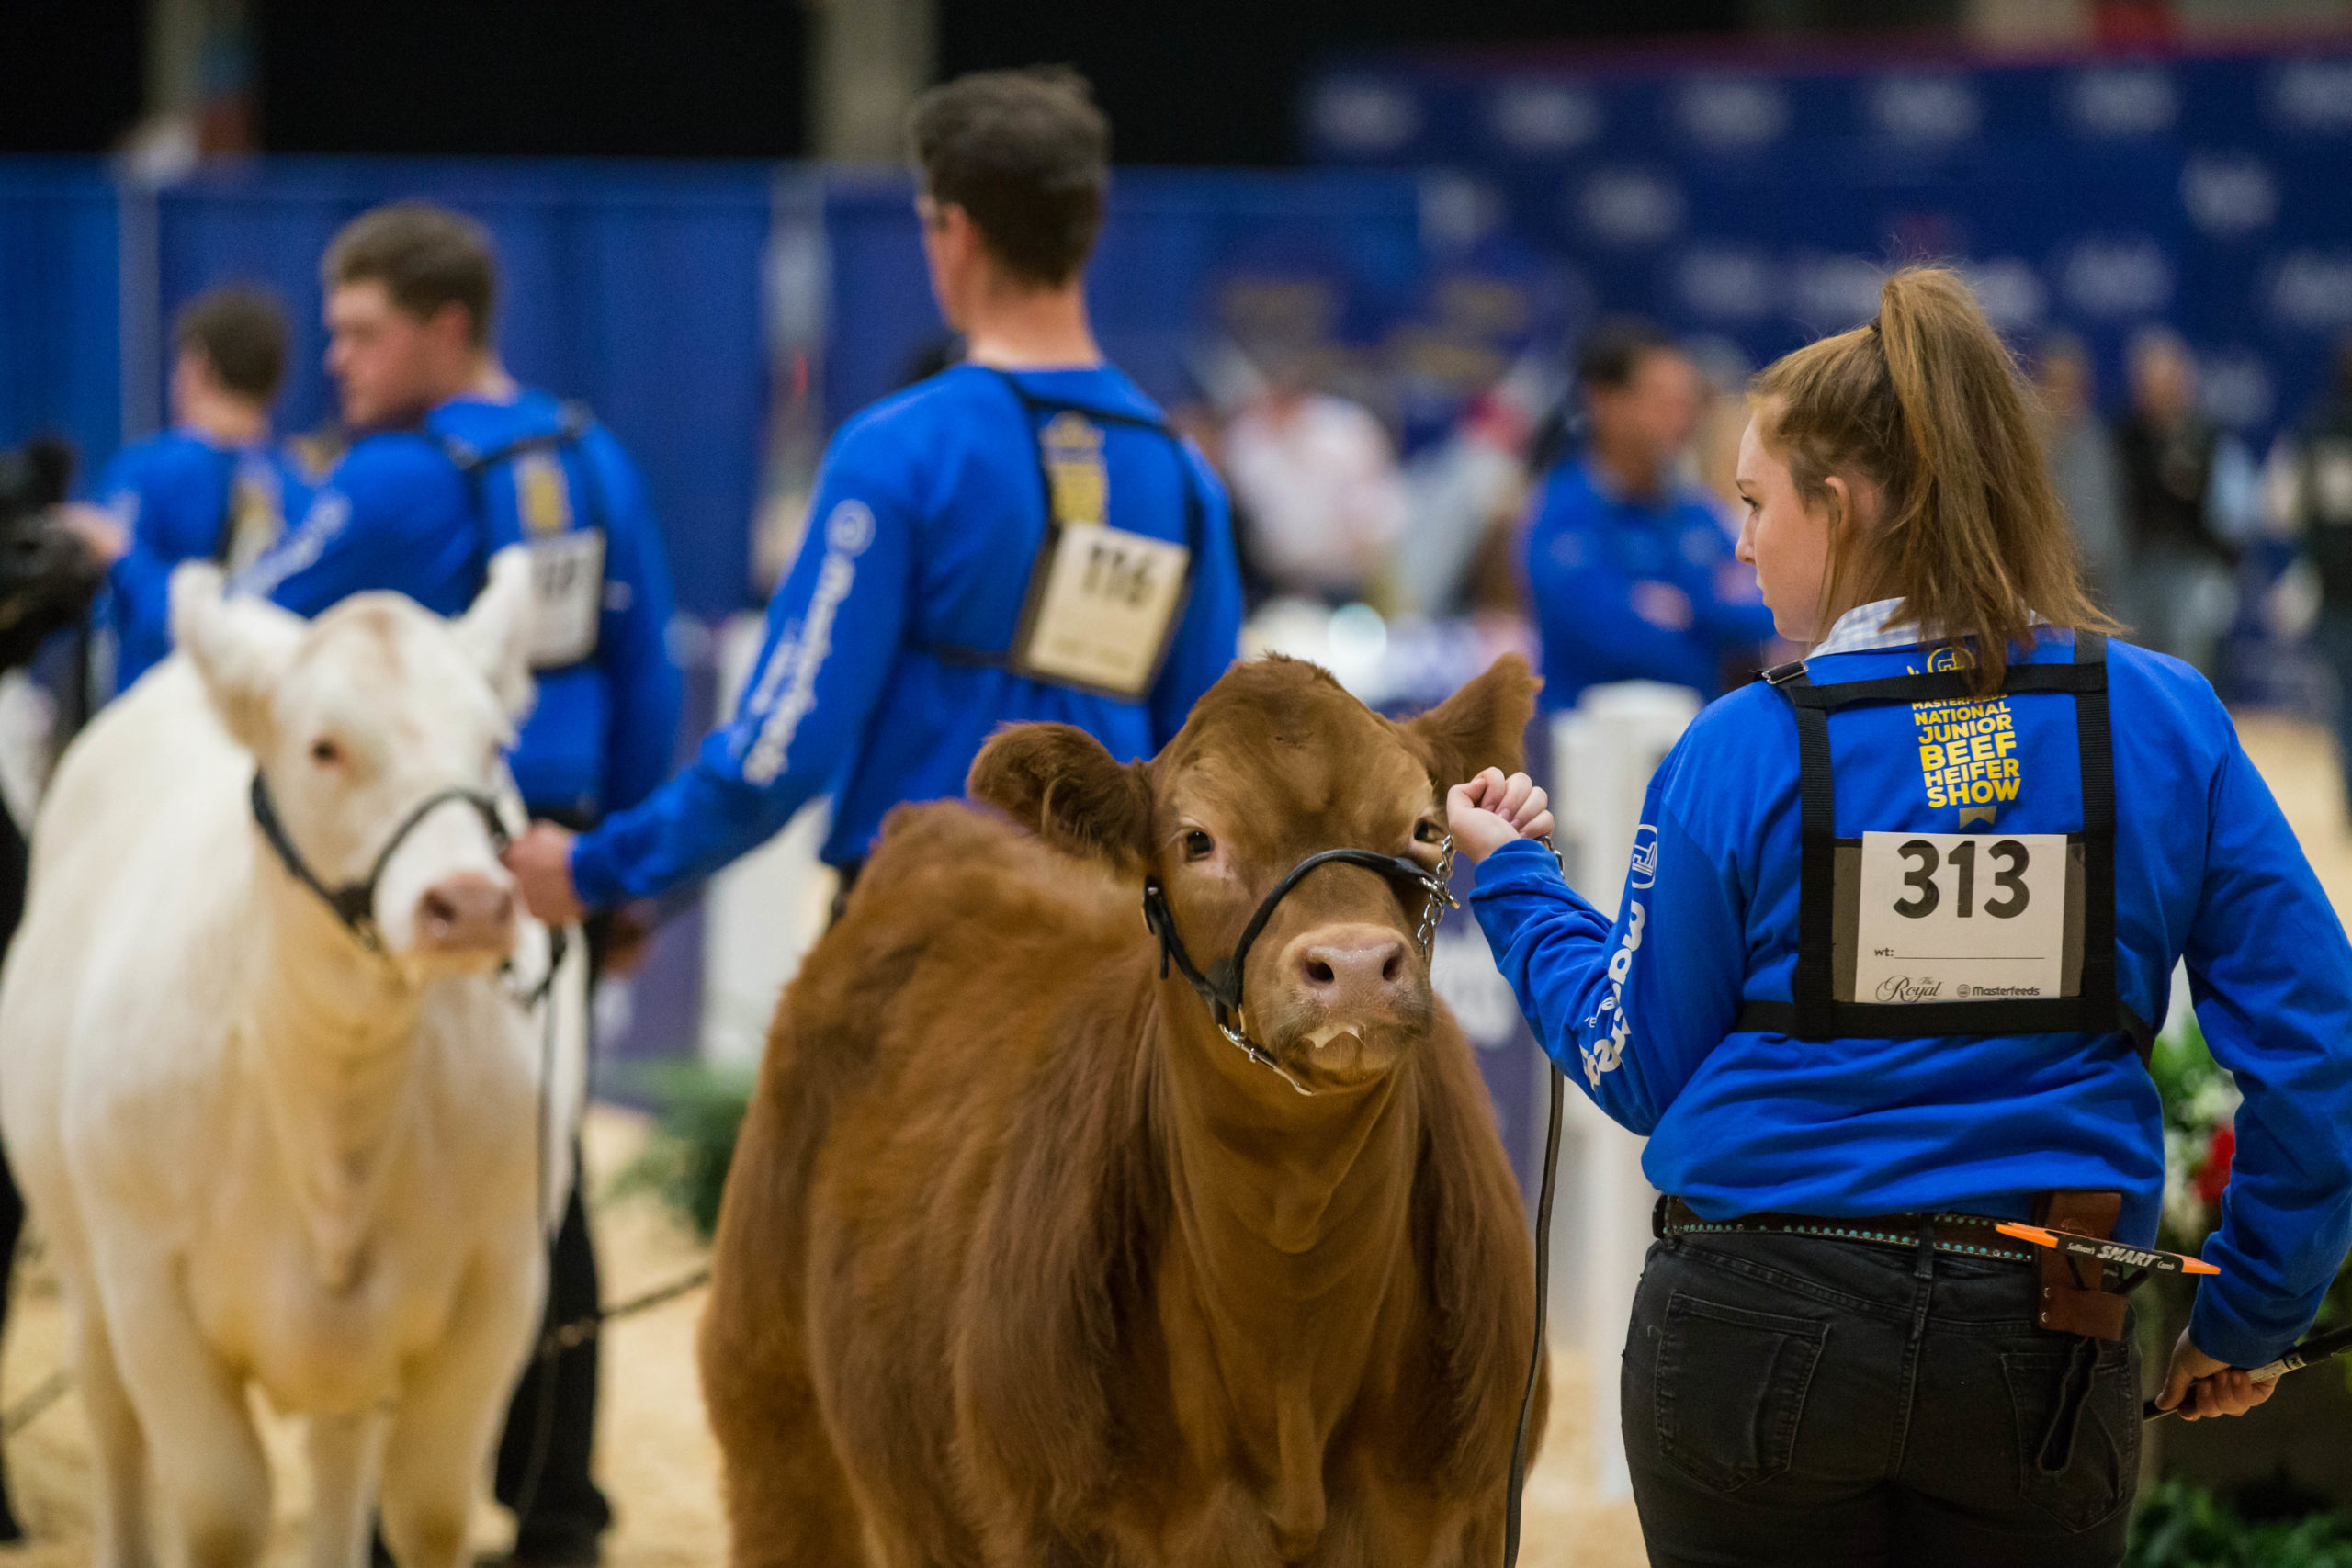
{"x":1430,"y":833}
{"x":1198,"y":845}
{"x":325,"y":753}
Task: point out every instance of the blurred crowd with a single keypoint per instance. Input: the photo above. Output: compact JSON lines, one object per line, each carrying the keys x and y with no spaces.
{"x":1598,"y":508}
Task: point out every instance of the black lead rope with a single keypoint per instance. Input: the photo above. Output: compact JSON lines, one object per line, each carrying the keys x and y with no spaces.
{"x":1515,"y":1495}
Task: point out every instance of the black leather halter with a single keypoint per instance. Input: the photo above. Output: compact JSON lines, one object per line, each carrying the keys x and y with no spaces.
{"x":354,"y":903}
{"x":1221,"y":987}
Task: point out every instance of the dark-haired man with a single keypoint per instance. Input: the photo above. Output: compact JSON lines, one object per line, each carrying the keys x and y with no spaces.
{"x":1630,"y":568}
{"x":452,"y":461}
{"x":1018,"y":538}
{"x":212,"y":487}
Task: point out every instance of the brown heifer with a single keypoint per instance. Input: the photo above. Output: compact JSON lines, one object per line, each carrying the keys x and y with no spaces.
{"x":1022,"y":1262}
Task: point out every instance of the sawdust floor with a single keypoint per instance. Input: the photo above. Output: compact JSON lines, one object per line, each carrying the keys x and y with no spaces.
{"x":655,"y":1455}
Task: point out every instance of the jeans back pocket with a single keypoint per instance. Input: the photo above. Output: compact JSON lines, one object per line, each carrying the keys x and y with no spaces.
{"x":1731,"y":1389}
{"x":2078,"y":1437}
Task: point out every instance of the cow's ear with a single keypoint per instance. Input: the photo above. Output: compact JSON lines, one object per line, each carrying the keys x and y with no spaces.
{"x":241,"y":647}
{"x":1484,"y":725}
{"x":496,"y":631}
{"x":1057,"y":781}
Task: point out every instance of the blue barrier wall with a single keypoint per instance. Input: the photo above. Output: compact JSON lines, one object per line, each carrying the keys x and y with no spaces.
{"x":59,"y":284}
{"x":653,"y":292}
{"x":1750,"y":198}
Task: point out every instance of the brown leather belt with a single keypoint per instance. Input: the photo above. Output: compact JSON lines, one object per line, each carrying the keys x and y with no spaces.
{"x":2068,"y":1303}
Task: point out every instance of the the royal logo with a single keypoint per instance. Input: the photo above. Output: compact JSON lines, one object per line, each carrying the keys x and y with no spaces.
{"x":1904,"y":989}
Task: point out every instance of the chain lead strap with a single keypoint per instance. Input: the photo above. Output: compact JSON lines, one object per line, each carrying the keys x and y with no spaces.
{"x":1440,"y":898}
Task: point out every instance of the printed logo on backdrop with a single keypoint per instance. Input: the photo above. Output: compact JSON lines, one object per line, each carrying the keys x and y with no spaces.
{"x":2228,"y":194}
{"x":1463,"y":974}
{"x":2312,"y":95}
{"x":2128,"y":276}
{"x":1727,"y":283}
{"x":2235,"y":389}
{"x":1458,"y":211}
{"x":1629,"y":207}
{"x":1543,"y":116}
{"x":1365,"y":115}
{"x":2121,"y":100}
{"x":2009,"y":290}
{"x":2311,"y":290}
{"x":1727,"y":113}
{"x":1923,"y":111}
{"x":1831,"y":293}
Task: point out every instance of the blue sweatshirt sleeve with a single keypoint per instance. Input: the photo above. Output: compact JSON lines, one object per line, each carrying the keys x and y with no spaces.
{"x":1628,"y":1010}
{"x":633,"y":642}
{"x":395,"y":515}
{"x":833,"y":635}
{"x":1209,"y":637}
{"x":141,"y":578}
{"x":2271,"y":974}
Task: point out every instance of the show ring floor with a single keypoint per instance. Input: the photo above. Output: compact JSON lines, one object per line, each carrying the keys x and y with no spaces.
{"x":655,"y":1454}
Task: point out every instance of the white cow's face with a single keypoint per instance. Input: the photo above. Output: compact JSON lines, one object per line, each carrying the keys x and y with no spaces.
{"x":359,"y":717}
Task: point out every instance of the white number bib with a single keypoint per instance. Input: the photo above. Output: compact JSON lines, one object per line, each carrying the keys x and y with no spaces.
{"x":567,"y":596}
{"x":1103,"y":614}
{"x":1961,"y":917}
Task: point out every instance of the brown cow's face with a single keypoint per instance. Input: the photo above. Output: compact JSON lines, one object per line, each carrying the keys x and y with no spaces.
{"x":1277,"y":763}
{"x":1335,"y":986}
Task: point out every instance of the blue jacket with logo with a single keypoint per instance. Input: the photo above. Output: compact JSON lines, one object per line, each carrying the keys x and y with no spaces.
{"x":175,"y":494}
{"x":398,"y":513}
{"x":1643,"y":1013}
{"x":928,"y":515}
{"x":1587,"y":551}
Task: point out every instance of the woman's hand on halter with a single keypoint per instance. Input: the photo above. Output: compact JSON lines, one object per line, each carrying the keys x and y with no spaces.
{"x":1491,"y":810}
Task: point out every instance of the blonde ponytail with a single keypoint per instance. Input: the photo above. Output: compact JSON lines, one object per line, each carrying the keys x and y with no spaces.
{"x":1925,"y":403}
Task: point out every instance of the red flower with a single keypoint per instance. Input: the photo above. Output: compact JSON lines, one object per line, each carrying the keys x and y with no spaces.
{"x":2214,"y":1172}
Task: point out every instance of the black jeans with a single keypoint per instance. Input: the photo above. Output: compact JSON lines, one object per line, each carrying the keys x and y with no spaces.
{"x":551,"y":1425}
{"x":1791,"y":1400}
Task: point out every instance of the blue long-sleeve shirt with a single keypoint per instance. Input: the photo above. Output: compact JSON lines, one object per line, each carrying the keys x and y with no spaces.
{"x":177,"y":496}
{"x":398,"y":513}
{"x":1742,"y":1122}
{"x":1587,"y":553}
{"x":928,"y":515}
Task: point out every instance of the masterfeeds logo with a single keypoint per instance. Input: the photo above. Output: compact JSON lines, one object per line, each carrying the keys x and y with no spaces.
{"x":1605,"y":1058}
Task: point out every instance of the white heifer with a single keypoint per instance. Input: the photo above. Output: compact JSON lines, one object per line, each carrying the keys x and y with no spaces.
{"x":270,"y":1147}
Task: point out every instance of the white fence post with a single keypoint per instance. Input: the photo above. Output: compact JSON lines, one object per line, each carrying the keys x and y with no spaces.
{"x":1603,"y":754}
{"x":763,"y":914}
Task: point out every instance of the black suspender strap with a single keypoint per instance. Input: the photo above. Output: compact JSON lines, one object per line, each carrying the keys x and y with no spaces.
{"x":1195,"y":524}
{"x":1814,"y":1012}
{"x":2094,"y":746}
{"x":572,"y":425}
{"x":227,"y":543}
{"x":1818,"y":858}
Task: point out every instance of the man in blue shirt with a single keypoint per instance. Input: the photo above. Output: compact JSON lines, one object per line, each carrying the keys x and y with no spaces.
{"x":452,"y":462}
{"x":1629,"y":567}
{"x":1019,"y":537}
{"x":212,"y":487}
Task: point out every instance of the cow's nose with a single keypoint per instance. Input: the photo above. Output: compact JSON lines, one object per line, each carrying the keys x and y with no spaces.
{"x":1352,"y":970}
{"x":466,"y":913}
